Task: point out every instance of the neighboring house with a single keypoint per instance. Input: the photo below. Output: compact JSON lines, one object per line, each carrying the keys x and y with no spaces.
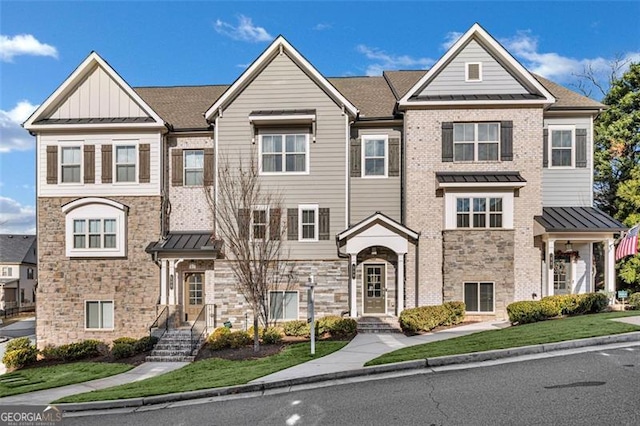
{"x":472,"y":181}
{"x":18,"y":271}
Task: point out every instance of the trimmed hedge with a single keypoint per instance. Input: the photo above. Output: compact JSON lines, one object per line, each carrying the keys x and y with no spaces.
{"x":74,"y":351}
{"x":271,"y":335}
{"x":334,"y":326}
{"x":634,"y":300}
{"x":125,"y":347}
{"x":122,"y":350}
{"x":426,"y":318}
{"x":297,"y":328}
{"x":19,"y":358}
{"x":223,"y":338}
{"x":19,"y":343}
{"x":529,"y":311}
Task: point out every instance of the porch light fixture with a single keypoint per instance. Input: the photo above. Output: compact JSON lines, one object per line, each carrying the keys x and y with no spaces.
{"x":192,"y":265}
{"x":568,"y":246}
{"x":374,"y":251}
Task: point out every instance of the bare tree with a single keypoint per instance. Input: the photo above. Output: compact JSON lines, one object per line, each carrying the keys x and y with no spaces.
{"x":248,"y":219}
{"x":591,"y":79}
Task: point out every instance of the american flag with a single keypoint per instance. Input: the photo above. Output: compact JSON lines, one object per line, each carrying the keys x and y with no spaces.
{"x":628,"y":246}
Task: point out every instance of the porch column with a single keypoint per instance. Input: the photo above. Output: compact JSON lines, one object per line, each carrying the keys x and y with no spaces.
{"x":163,"y":282}
{"x":400,"y":288}
{"x":353,"y":300}
{"x":551,"y":248}
{"x":610,"y":266}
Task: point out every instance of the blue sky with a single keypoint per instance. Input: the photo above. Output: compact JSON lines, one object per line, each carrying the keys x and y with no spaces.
{"x":197,"y":43}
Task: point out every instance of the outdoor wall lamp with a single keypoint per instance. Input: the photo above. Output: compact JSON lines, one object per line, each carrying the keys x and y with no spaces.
{"x":353,"y":271}
{"x":192,"y":265}
{"x":171,"y":282}
{"x":568,"y":246}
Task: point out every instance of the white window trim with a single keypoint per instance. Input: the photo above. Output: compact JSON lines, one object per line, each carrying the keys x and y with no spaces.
{"x":451,"y":197}
{"x":266,"y":226}
{"x":466,"y":71}
{"x":100,"y":302}
{"x":363,"y":272}
{"x":556,"y":127}
{"x":363,"y":158}
{"x":476,"y":142}
{"x":284,"y":173}
{"x":315,"y":208}
{"x":114,"y":170}
{"x":70,"y":144}
{"x":185,"y":168}
{"x":493,"y":297}
{"x":7,"y":271}
{"x":185,"y":275}
{"x":297,"y":293}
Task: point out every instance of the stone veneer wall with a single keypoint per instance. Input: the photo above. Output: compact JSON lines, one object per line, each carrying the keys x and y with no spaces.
{"x":475,"y":256}
{"x":425,"y":211}
{"x":65,"y":284}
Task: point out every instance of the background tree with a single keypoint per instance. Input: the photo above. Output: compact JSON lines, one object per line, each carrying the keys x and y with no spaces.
{"x":248,"y":219}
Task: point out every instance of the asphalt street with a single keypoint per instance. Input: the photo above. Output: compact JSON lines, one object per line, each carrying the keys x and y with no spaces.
{"x":589,"y":388}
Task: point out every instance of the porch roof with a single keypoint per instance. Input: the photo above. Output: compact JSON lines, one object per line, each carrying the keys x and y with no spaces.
{"x":577,"y":219}
{"x":377,"y":218}
{"x":511,"y":179}
{"x":186,"y":242}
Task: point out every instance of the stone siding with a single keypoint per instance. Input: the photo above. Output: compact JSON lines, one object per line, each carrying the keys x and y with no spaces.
{"x":64,"y":284}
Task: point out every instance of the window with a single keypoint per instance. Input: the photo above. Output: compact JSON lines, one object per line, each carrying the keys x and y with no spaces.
{"x":193,"y":167}
{"x":283,"y":305}
{"x":284,"y":153}
{"x":29,"y":273}
{"x":99,"y":314}
{"x":71,"y":164}
{"x":476,"y":141}
{"x":473,"y":71}
{"x":478,"y":297}
{"x":479,"y":212}
{"x":94,"y":233}
{"x":308,"y":226}
{"x":126,"y":163}
{"x":7,"y":271}
{"x":259,"y":221}
{"x":374,"y":156}
{"x":562,"y":143}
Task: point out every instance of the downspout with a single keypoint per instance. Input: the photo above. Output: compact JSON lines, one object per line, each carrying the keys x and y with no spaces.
{"x":347,"y":174}
{"x":215,"y":184}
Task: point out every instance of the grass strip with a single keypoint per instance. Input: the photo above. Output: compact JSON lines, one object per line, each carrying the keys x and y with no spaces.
{"x":550,"y":331}
{"x":211,"y":373}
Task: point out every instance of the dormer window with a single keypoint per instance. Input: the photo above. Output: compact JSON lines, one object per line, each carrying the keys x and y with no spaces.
{"x":473,"y":71}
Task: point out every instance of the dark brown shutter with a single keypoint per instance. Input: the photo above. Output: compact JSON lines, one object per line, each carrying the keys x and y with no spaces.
{"x":581,"y":147}
{"x":176,"y":167}
{"x":144,"y":154}
{"x":356,"y":159}
{"x":325,"y":225}
{"x":107,"y":164}
{"x":506,"y":141}
{"x":292,"y":224}
{"x":545,"y":148}
{"x":209,"y":165}
{"x":394,"y":156}
{"x":274,"y":224}
{"x":89,"y":158}
{"x":52,"y":164}
{"x":244,"y":223}
{"x":447,"y":141}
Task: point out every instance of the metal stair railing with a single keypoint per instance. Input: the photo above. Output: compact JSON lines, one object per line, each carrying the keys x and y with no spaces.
{"x":161,"y":322}
{"x":201,"y":325}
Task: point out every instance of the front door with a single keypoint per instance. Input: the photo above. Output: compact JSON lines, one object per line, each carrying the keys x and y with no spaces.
{"x":562,"y":275}
{"x":193,"y":294}
{"x":374,"y":289}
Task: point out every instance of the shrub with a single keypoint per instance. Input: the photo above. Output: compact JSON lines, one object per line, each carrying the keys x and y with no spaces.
{"x":343,"y":328}
{"x":127,"y":340}
{"x":524,"y":312}
{"x":18,"y":358}
{"x":19,"y":343}
{"x":423,"y":318}
{"x":220,"y":339}
{"x":298,"y":328}
{"x":123,"y":350}
{"x":549,"y":308}
{"x":238,"y":339}
{"x":145,"y":344}
{"x":271,"y":335}
{"x":634,"y":300}
{"x":260,"y":331}
{"x":75,"y":351}
{"x":457,"y":312}
{"x":326,"y":324}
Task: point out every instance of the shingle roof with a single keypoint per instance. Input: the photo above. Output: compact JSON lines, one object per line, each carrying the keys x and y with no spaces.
{"x":479,"y":177}
{"x":18,"y":248}
{"x":572,"y":219}
{"x":567,"y":99}
{"x":402,"y":81}
{"x":186,"y":242}
{"x":371,"y":95}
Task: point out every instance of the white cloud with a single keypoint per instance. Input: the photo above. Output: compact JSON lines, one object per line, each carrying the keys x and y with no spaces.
{"x":24,"y":44}
{"x":16,"y":218}
{"x":450,"y":39}
{"x":244,"y":31}
{"x":385,"y":61}
{"x":12,"y":136}
{"x":321,"y":27}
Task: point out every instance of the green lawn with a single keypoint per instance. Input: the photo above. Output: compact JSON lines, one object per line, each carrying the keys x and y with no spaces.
{"x":578,"y":327}
{"x":39,"y":378}
{"x":211,"y":373}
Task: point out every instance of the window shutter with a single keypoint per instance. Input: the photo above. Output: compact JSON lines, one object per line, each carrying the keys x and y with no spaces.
{"x":89,"y":156}
{"x":52,"y":164}
{"x":274,"y":224}
{"x":176,"y":167}
{"x":545,"y":148}
{"x":292,"y":224}
{"x":144,"y":172}
{"x":107,"y":164}
{"x":209,"y":166}
{"x":356,"y":170}
{"x":581,"y":147}
{"x":244,"y":222}
{"x":506,"y":141}
{"x":324,"y":232}
{"x":447,"y":142}
{"x":394,"y":156}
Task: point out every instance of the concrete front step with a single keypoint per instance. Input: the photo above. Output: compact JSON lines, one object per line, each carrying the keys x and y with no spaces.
{"x":171,"y":352}
{"x":176,"y":358}
{"x":174,"y":346}
{"x":378,"y":325}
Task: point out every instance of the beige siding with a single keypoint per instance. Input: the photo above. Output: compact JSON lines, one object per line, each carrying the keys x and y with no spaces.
{"x":368,"y":196}
{"x":495,"y":79}
{"x":98,"y":96}
{"x":282,"y":85}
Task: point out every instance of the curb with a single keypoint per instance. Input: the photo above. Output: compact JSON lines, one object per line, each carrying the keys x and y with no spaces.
{"x":365,"y":371}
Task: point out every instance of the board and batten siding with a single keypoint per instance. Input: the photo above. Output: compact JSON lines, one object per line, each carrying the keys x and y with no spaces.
{"x":99,"y":189}
{"x":282,"y":85}
{"x":569,"y":187}
{"x":370,"y":195}
{"x":98,"y":96}
{"x":495,"y":79}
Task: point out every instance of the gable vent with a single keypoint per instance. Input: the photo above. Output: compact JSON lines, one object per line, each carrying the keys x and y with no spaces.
{"x":473,"y":71}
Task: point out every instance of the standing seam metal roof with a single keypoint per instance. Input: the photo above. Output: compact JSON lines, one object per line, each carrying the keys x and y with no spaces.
{"x":570,"y":219}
